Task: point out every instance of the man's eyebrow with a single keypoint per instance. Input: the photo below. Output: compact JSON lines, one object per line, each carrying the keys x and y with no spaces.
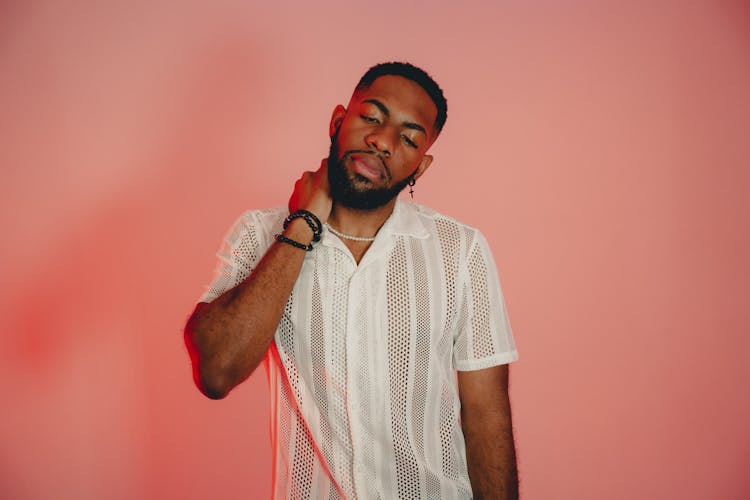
{"x":415,"y":126}
{"x":384,"y":110}
{"x":380,"y":106}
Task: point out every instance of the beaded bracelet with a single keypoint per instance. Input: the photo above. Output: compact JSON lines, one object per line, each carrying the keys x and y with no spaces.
{"x":297,"y":244}
{"x":310,"y":219}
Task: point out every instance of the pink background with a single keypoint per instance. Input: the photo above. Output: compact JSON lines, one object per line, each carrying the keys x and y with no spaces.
{"x":602,"y":147}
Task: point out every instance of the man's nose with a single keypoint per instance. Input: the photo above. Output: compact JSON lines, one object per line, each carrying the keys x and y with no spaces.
{"x":379,"y":142}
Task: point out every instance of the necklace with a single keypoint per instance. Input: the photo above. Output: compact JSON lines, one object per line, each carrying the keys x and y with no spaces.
{"x":349,"y":237}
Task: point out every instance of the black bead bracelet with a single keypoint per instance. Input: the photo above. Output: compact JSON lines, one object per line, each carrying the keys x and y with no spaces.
{"x":296,"y":244}
{"x":310,"y":219}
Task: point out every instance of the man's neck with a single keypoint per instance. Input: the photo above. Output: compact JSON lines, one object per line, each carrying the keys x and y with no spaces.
{"x":360,"y":223}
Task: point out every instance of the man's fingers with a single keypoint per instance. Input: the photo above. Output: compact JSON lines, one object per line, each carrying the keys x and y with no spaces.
{"x":323,"y":173}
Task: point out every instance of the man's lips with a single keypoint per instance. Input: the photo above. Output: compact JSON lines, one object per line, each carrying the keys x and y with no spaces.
{"x":368,"y":166}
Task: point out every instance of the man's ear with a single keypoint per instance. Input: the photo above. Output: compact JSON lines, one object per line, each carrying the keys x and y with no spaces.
{"x":339,"y":112}
{"x":423,"y":165}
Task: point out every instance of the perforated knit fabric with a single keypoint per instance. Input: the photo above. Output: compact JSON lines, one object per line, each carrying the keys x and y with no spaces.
{"x":364,"y":396}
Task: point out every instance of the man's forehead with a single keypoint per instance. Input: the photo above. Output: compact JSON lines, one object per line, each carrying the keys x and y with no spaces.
{"x":401,"y":96}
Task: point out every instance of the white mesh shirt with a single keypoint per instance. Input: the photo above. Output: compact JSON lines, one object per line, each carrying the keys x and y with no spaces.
{"x":364,"y":395}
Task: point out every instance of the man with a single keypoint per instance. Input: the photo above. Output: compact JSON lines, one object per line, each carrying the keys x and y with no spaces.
{"x":361,"y":306}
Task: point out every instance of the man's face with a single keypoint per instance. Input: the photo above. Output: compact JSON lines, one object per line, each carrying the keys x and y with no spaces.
{"x":378,"y":144}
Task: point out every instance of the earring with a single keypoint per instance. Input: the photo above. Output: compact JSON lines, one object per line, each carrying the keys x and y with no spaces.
{"x":412,"y":181}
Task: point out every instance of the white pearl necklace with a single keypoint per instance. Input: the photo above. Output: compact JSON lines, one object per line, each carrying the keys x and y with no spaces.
{"x":349,"y":237}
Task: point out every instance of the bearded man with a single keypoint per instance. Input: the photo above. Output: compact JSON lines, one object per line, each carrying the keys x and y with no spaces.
{"x":381,"y":322}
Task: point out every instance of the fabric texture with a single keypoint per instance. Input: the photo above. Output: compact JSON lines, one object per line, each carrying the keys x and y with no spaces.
{"x":364,"y":394}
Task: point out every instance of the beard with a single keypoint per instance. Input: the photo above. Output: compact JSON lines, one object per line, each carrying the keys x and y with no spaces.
{"x":356,"y":191}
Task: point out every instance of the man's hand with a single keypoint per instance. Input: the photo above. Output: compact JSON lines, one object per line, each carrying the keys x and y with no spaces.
{"x":313,"y":192}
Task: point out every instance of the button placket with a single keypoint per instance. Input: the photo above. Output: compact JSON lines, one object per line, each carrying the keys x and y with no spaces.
{"x":354,"y":302}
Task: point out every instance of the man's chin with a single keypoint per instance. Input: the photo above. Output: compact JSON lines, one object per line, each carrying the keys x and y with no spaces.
{"x":363,"y":200}
{"x":353,"y":190}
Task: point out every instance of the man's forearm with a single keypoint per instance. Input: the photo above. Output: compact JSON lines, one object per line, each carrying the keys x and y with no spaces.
{"x":491,"y":456}
{"x":228,"y":337}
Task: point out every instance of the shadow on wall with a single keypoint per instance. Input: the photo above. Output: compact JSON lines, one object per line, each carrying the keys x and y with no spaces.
{"x":94,"y":327}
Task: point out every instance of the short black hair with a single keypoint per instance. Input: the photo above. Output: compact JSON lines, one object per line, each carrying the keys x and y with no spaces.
{"x":415,"y":74}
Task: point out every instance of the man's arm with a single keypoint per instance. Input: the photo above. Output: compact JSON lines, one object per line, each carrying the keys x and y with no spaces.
{"x":488,"y":432}
{"x":228,"y":337}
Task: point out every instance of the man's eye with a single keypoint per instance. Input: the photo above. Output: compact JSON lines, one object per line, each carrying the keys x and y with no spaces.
{"x":369,"y":119}
{"x":409,"y":141}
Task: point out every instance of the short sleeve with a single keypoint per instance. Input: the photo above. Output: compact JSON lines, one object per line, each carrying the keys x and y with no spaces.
{"x":241,"y":250}
{"x":484,"y":337}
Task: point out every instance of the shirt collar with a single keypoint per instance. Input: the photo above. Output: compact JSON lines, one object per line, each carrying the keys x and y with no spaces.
{"x":405,"y":221}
